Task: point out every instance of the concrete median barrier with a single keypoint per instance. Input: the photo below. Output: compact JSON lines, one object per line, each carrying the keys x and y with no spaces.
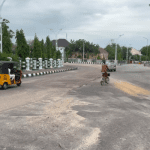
{"x":33,"y":74}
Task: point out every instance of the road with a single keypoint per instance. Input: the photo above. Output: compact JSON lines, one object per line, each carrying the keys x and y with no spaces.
{"x":71,"y":110}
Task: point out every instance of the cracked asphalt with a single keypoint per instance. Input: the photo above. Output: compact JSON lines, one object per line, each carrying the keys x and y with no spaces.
{"x":72,"y":111}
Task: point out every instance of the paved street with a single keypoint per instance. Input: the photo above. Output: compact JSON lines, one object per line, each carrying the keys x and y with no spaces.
{"x":72,"y":111}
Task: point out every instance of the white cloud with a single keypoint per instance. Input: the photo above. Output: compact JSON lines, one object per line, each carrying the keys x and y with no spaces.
{"x":81,"y":19}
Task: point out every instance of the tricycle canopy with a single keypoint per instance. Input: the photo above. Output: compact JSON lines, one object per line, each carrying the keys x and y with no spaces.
{"x":4,"y":65}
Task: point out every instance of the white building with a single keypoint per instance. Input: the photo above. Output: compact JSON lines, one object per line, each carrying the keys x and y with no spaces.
{"x":61,"y":44}
{"x":135,"y":52}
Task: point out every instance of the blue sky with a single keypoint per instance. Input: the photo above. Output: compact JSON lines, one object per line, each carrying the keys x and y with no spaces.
{"x":96,"y":21}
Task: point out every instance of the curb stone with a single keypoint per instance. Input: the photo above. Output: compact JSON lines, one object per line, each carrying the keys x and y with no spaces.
{"x":46,"y":72}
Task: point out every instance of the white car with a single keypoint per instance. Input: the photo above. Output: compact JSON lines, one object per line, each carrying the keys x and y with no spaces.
{"x":111,"y":66}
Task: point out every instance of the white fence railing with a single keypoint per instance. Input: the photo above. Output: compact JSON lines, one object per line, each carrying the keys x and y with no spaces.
{"x":33,"y":64}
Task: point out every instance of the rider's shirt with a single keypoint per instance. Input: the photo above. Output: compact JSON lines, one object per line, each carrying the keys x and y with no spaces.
{"x":104,"y":68}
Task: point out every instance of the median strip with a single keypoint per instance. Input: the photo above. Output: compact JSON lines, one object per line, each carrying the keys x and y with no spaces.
{"x":46,"y":72}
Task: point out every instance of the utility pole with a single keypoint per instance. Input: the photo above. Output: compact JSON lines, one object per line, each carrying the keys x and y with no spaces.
{"x":56,"y":38}
{"x":116,"y":49}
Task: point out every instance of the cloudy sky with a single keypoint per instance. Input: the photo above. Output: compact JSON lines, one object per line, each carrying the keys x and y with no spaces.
{"x":97,"y":21}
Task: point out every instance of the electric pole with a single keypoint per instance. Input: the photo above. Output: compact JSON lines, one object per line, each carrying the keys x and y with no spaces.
{"x":116,"y":49}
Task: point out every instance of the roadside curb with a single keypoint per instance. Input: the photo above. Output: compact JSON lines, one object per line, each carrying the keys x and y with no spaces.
{"x":46,"y":72}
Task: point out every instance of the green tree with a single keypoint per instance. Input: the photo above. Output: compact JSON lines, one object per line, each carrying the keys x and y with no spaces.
{"x":37,"y":53}
{"x":143,"y":58}
{"x":3,"y":56}
{"x":58,"y":55}
{"x":119,"y":56}
{"x":129,"y":52}
{"x":67,"y":52}
{"x":98,"y":58}
{"x":79,"y":56}
{"x":77,"y":46}
{"x":31,"y":45}
{"x":52,"y":50}
{"x":145,"y":52}
{"x":111,"y":50}
{"x":88,"y":55}
{"x":124,"y":52}
{"x":6,"y":38}
{"x":48,"y":47}
{"x":15,"y":57}
{"x":42,"y":49}
{"x":22,"y":48}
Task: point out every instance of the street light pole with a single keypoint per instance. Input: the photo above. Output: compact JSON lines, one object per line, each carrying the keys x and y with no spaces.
{"x":116,"y":49}
{"x":1,"y":25}
{"x":56,"y":38}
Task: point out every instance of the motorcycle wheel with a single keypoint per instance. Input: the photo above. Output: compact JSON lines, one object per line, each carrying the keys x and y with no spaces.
{"x":102,"y":83}
{"x":107,"y":80}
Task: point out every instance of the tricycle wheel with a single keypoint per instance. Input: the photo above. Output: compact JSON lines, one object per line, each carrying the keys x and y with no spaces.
{"x":19,"y":84}
{"x":5,"y":86}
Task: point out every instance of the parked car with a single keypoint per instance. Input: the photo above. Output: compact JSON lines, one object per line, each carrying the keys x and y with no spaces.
{"x":111,"y":66}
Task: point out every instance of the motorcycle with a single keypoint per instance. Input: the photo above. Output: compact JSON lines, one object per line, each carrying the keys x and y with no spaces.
{"x":104,"y":81}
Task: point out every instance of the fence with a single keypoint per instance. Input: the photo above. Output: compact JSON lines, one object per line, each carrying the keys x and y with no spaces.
{"x":34,"y":64}
{"x":86,"y":61}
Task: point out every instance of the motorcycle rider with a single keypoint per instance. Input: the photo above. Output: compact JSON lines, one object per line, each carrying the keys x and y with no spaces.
{"x":104,"y":70}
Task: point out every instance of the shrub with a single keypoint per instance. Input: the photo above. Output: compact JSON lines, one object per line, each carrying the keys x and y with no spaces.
{"x":15,"y":57}
{"x":79,"y":56}
{"x":98,"y":58}
{"x":3,"y":57}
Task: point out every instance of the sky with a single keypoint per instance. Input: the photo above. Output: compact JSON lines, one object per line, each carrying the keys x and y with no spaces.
{"x":96,"y":21}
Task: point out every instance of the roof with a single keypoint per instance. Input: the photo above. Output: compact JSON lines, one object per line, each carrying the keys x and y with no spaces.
{"x":4,"y":65}
{"x":60,"y":42}
{"x":102,"y":50}
{"x":135,"y":52}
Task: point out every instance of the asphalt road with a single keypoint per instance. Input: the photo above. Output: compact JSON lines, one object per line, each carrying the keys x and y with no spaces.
{"x":71,"y":110}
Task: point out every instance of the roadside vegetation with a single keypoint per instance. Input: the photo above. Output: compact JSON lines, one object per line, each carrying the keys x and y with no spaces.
{"x":40,"y":49}
{"x":23,"y":48}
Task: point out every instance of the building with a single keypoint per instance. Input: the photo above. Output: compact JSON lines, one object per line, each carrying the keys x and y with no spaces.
{"x":135,"y":52}
{"x":61,"y":44}
{"x":103,"y":53}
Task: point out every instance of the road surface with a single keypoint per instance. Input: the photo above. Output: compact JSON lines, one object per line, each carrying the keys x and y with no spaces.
{"x":71,"y":110}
